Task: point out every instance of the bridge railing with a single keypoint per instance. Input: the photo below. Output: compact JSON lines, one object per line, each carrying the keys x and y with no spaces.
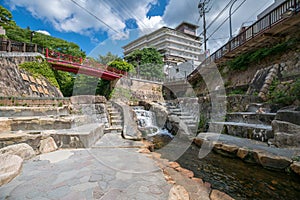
{"x":259,"y":27}
{"x":63,"y":57}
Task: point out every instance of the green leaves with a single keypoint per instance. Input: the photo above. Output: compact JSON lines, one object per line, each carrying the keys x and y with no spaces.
{"x":147,"y":61}
{"x":121,"y":65}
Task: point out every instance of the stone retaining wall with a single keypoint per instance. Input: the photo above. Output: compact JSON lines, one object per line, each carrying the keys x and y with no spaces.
{"x":19,"y":83}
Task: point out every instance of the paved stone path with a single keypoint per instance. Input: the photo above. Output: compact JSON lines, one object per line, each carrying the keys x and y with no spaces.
{"x":104,"y":172}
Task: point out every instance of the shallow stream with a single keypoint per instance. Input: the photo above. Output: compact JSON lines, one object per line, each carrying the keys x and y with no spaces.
{"x":241,"y":180}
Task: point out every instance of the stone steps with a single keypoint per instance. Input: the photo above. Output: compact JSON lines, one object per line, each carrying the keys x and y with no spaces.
{"x":83,"y":136}
{"x":21,"y":111}
{"x":115,"y":119}
{"x":42,"y":122}
{"x":251,"y":117}
{"x":258,"y":132}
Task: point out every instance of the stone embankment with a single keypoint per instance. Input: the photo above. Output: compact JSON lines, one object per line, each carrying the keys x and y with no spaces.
{"x":16,"y":82}
{"x":252,"y":151}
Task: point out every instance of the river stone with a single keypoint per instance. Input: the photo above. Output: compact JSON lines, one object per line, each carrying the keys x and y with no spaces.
{"x":296,"y":167}
{"x":291,"y":116}
{"x":10,"y":167}
{"x":5,"y":125}
{"x":286,"y":127}
{"x":229,"y":148}
{"x":218,"y":195}
{"x":47,"y":145}
{"x":272,"y":161}
{"x":242,"y":153}
{"x":22,"y":150}
{"x":178,"y":192}
{"x":185,"y":172}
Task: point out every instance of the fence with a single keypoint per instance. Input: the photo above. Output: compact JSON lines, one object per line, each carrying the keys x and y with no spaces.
{"x":259,"y":27}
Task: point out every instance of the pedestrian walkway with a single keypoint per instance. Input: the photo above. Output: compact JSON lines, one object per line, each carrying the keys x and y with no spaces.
{"x":107,"y":172}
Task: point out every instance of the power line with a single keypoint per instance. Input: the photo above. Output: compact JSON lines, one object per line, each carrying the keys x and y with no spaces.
{"x":225,"y":20}
{"x":96,"y":17}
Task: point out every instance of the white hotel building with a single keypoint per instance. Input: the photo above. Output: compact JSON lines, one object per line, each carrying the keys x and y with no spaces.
{"x":176,"y":45}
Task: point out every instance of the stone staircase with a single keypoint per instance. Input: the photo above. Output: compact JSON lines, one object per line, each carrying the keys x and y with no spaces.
{"x":186,"y":117}
{"x":115,"y":119}
{"x":33,"y":124}
{"x":250,"y":124}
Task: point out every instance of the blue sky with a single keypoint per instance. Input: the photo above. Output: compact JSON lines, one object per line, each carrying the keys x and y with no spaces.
{"x":114,"y":23}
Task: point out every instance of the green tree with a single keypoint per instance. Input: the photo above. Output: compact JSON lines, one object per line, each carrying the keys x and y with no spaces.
{"x":121,"y":65}
{"x":147,"y":62}
{"x":109,"y":57}
{"x":6,"y":18}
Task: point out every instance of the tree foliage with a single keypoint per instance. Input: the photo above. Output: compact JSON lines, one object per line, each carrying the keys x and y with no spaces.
{"x":121,"y":65}
{"x":147,"y":62}
{"x":6,"y":20}
{"x":109,"y":57}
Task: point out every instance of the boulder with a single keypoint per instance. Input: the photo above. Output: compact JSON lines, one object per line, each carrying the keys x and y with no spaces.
{"x":178,"y":192}
{"x":10,"y":167}
{"x":296,"y":167}
{"x":282,"y":140}
{"x":242,"y":153}
{"x":47,"y":145}
{"x":291,"y":116}
{"x":22,"y":150}
{"x":218,"y":195}
{"x":271,"y":161}
{"x":286,"y":127}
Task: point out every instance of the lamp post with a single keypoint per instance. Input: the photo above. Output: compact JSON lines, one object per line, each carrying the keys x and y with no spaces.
{"x":230,"y":25}
{"x":31,"y":35}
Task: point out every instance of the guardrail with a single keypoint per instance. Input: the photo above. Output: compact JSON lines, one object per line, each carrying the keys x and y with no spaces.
{"x":259,"y":27}
{"x":14,"y":46}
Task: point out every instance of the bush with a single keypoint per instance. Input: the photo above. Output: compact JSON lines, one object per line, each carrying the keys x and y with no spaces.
{"x":38,"y":69}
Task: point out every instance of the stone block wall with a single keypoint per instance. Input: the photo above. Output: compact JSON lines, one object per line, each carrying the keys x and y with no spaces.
{"x":16,"y":82}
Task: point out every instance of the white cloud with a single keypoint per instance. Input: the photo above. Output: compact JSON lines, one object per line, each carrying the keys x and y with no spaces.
{"x":66,"y":16}
{"x":43,"y":32}
{"x":179,"y":10}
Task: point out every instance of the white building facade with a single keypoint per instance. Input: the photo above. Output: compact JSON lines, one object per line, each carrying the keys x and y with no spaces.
{"x":176,"y":45}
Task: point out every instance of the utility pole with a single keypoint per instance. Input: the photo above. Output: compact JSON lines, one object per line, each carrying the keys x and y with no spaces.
{"x":203,"y":9}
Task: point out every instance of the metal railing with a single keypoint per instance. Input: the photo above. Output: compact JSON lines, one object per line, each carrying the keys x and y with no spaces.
{"x":258,"y":28}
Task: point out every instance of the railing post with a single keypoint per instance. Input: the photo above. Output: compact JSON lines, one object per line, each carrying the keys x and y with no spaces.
{"x":80,"y":60}
{"x":35,"y":48}
{"x":24,"y":47}
{"x":47,"y":53}
{"x":8,"y":48}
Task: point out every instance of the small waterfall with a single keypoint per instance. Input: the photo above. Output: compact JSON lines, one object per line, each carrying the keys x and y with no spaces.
{"x":147,"y":123}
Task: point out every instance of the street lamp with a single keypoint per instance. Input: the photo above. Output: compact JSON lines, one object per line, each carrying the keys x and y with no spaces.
{"x":31,"y":35}
{"x":230,"y":25}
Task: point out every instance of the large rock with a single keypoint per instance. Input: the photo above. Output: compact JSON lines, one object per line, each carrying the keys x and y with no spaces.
{"x":178,"y":192}
{"x":271,"y":161}
{"x":296,"y":167}
{"x":286,"y":134}
{"x":48,"y":145}
{"x":10,"y":167}
{"x":286,"y":127}
{"x":218,"y":195}
{"x":291,"y":116}
{"x":22,"y":150}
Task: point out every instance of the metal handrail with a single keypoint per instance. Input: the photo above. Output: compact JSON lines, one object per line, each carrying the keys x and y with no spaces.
{"x":259,"y":27}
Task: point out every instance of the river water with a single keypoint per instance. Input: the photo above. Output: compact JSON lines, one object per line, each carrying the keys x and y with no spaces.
{"x":240,"y":180}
